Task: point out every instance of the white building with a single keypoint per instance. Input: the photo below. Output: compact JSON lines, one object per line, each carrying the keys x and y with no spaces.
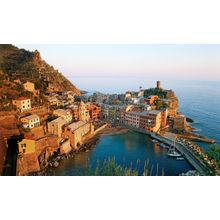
{"x":30,"y":121}
{"x":22,"y":103}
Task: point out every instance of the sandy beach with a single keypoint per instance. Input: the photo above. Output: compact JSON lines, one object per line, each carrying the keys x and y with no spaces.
{"x":112,"y":131}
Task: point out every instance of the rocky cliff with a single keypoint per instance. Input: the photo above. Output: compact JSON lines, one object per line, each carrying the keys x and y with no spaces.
{"x":24,"y":65}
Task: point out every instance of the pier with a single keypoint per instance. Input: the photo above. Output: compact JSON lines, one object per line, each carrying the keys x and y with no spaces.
{"x":187,"y":153}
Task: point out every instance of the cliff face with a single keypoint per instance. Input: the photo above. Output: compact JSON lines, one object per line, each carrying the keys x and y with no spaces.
{"x":24,"y":65}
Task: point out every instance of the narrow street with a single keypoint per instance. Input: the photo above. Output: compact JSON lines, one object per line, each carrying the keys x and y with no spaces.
{"x":11,"y":158}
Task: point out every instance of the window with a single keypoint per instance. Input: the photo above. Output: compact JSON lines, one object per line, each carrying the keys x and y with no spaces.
{"x":23,"y":145}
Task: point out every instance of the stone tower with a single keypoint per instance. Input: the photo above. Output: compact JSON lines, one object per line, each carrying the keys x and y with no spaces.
{"x":158,"y":85}
{"x":83,"y":112}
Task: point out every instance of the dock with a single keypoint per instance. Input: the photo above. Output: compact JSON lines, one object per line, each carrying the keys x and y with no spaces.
{"x":189,"y":155}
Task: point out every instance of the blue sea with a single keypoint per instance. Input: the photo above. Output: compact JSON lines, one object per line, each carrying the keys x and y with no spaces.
{"x":198,"y":100}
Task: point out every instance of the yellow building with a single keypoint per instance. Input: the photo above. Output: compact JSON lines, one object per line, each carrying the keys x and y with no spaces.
{"x":77,"y":132}
{"x":112,"y":113}
{"x":55,"y":127}
{"x":65,"y":114}
{"x":29,"y":86}
{"x":26,"y":146}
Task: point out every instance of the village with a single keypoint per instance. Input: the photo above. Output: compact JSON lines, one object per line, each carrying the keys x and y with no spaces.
{"x":66,"y":121}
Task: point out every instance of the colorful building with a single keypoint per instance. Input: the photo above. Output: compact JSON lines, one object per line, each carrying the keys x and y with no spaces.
{"x":94,"y":111}
{"x":65,"y":114}
{"x":151,"y":99}
{"x":150,"y":121}
{"x":77,"y":132}
{"x":164,"y":114}
{"x":83,"y":112}
{"x":26,"y":146}
{"x":180,"y":123}
{"x":30,"y":121}
{"x":29,"y":86}
{"x":132,"y":118}
{"x":55,"y":127}
{"x":22,"y":103}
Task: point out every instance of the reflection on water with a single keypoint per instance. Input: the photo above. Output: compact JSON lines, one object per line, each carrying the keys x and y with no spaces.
{"x":131,"y":149}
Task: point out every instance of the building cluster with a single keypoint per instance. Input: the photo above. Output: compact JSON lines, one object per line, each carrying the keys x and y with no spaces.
{"x":150,"y":110}
{"x":69,"y":124}
{"x":72,"y":121}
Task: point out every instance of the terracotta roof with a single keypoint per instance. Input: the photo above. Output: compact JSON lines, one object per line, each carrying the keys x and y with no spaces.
{"x":22,"y":98}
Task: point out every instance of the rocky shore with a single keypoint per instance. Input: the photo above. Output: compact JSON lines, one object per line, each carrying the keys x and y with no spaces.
{"x":56,"y":159}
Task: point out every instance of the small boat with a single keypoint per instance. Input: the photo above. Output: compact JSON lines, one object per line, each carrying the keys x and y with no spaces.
{"x":154,"y":141}
{"x":180,"y":158}
{"x":173,"y":153}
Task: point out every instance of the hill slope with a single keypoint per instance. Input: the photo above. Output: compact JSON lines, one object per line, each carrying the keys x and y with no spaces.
{"x":24,"y":65}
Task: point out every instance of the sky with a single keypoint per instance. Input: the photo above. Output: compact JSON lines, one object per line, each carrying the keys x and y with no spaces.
{"x":155,"y":61}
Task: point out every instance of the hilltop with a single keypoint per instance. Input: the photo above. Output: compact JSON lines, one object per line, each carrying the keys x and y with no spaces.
{"x":25,"y":65}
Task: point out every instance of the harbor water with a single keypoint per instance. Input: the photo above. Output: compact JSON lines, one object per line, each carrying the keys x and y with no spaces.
{"x":197,"y":100}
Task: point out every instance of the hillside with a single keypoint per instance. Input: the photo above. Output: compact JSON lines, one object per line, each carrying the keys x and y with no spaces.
{"x":24,"y":65}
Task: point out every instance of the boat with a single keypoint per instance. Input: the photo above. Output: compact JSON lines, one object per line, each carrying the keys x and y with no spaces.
{"x":173,"y":153}
{"x":180,"y":158}
{"x":154,"y":141}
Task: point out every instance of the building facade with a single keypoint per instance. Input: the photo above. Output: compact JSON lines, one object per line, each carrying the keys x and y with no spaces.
{"x":55,"y":127}
{"x":65,"y":114}
{"x":30,"y":121}
{"x":77,"y":132}
{"x":22,"y":103}
{"x":94,"y":111}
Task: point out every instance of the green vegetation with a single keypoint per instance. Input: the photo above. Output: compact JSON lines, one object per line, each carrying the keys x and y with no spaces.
{"x":111,"y":168}
{"x":160,"y":105}
{"x":213,"y":153}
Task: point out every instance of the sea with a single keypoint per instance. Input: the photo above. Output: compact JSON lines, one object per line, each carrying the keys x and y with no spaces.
{"x":199,"y":100}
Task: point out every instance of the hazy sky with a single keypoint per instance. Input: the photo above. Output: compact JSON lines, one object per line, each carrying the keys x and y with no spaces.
{"x":154,"y":61}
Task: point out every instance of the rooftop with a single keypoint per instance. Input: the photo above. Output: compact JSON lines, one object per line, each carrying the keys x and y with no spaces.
{"x":76,"y":125}
{"x":60,"y":111}
{"x":22,"y":98}
{"x":154,"y":112}
{"x":59,"y":120}
{"x":29,"y":117}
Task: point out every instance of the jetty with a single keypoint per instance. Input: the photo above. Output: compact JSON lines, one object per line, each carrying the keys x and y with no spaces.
{"x":189,"y":155}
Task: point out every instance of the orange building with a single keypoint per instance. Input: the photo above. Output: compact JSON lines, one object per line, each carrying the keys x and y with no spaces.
{"x":164,"y":114}
{"x":151,"y":99}
{"x":150,"y":121}
{"x":94,"y":111}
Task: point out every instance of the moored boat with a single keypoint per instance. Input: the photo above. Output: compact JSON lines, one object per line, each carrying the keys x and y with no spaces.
{"x":173,"y":153}
{"x":155,"y":141}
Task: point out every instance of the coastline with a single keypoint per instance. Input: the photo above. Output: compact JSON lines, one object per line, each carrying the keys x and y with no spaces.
{"x":85,"y":147}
